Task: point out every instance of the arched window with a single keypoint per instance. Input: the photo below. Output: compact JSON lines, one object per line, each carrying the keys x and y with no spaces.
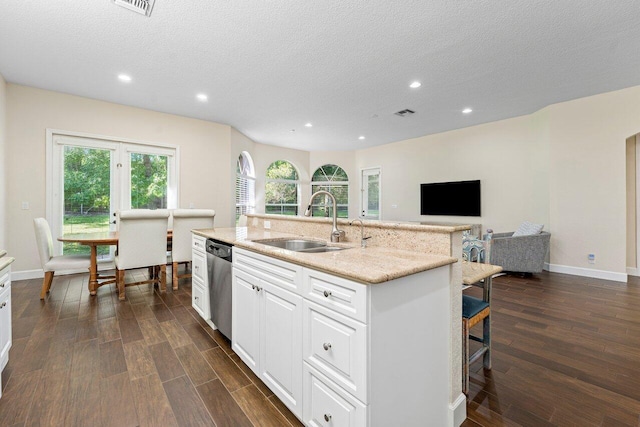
{"x":281,"y":189}
{"x":245,"y":185}
{"x":333,"y":179}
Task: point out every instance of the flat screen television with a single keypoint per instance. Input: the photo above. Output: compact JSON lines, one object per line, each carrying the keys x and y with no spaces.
{"x":459,"y":198}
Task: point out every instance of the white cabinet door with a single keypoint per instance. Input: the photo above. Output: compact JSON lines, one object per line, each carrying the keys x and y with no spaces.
{"x":5,"y":325}
{"x":245,"y":322}
{"x":281,"y":345}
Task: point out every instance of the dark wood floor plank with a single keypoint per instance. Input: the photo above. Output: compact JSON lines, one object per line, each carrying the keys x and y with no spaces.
{"x":253,"y":377}
{"x":293,"y":420}
{"x":83,"y":403}
{"x":87,"y":329}
{"x":152,"y":331}
{"x":187,"y":406}
{"x":197,"y":368}
{"x":152,"y":404}
{"x":176,"y":335}
{"x":142,"y":311}
{"x":35,"y":354}
{"x":258,"y":408}
{"x":49,"y":400}
{"x":59,"y":358}
{"x":130,"y":330}
{"x":108,"y":329}
{"x":182,"y":315}
{"x":200,"y":336}
{"x":112,"y":360}
{"x":86,"y":358}
{"x":166,"y":361}
{"x":139,"y":361}
{"x":221,"y":405}
{"x":117,"y":406}
{"x":229,"y":373}
{"x":17,"y":398}
{"x":162,"y":312}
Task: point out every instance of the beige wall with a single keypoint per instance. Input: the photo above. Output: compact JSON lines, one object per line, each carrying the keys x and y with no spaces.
{"x":506,"y":156}
{"x":3,"y":161}
{"x":204,"y":147}
{"x":588,"y":179}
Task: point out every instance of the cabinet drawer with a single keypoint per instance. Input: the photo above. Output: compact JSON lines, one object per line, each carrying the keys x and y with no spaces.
{"x":277,"y":272}
{"x":198,"y":243}
{"x":326,"y":405}
{"x":199,"y":266}
{"x":199,"y":299}
{"x":342,"y":295}
{"x":337,"y":346}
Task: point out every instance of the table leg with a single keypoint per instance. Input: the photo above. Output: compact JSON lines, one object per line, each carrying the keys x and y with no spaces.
{"x":93,"y":270}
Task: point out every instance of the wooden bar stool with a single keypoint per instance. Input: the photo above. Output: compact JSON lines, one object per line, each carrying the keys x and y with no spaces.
{"x":474,"y":311}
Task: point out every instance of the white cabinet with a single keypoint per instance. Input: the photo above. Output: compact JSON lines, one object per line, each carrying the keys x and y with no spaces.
{"x":267,"y":323}
{"x":5,"y":318}
{"x":199,"y":279}
{"x":344,"y":354}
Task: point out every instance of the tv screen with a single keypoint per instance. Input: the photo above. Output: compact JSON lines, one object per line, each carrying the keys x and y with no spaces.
{"x":460,"y":198}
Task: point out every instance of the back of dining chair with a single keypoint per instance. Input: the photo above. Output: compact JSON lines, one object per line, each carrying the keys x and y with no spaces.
{"x":43,"y":240}
{"x":142,"y":238}
{"x":185,"y":220}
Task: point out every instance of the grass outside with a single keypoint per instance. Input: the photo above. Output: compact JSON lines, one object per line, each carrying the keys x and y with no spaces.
{"x":77,"y":224}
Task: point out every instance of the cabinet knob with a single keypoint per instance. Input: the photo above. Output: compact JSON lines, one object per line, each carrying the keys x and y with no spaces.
{"x":3,"y":304}
{"x":327,"y":294}
{"x":1,"y":285}
{"x":326,"y":346}
{"x":196,"y":298}
{"x":327,"y":417}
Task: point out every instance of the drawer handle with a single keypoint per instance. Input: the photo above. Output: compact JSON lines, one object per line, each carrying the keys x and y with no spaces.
{"x":1,"y":285}
{"x":327,"y":294}
{"x":3,"y":304}
{"x":326,"y":346}
{"x":256,"y":288}
{"x":327,"y":417}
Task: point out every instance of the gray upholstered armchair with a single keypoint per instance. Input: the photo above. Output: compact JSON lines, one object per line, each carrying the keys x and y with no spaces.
{"x":522,"y":254}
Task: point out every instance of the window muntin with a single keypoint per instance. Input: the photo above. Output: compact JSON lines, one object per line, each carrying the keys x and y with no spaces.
{"x":333,"y":179}
{"x":281,"y":189}
{"x":245,"y":185}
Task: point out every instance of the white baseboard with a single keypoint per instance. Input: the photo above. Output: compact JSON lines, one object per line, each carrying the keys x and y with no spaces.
{"x":458,"y":411}
{"x":587,"y":272}
{"x":39,"y":273}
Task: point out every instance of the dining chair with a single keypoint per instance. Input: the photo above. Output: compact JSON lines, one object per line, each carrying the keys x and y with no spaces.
{"x":185,"y":220}
{"x":50,"y":263}
{"x":142,"y":242}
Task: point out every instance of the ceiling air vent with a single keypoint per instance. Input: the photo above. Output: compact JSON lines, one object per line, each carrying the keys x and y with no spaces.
{"x":404,"y":113}
{"x":143,"y":7}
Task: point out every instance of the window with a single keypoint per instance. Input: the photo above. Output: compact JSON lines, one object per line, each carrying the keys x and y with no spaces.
{"x":92,"y":177}
{"x":370,"y":190}
{"x":245,"y":185}
{"x":333,"y":179}
{"x":281,"y":189}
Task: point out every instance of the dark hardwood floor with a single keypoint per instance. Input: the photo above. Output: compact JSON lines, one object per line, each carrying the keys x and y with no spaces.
{"x":78,"y":360}
{"x":566,"y":352}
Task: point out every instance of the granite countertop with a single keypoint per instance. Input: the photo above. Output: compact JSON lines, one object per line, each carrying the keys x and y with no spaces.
{"x":473,"y":272}
{"x":365,"y":265}
{"x":5,"y":260}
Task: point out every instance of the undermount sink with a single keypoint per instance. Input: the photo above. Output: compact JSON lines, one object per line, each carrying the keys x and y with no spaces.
{"x":300,"y":245}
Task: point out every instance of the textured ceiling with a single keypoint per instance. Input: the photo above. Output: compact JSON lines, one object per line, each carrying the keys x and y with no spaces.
{"x":270,"y":66}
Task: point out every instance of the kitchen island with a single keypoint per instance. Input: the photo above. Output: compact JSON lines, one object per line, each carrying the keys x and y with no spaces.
{"x":360,"y":336}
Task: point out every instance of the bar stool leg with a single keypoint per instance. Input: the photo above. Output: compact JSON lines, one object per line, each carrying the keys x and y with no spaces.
{"x":486,"y":341}
{"x":465,"y":357}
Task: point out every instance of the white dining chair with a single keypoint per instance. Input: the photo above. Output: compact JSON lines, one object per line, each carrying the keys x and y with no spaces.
{"x":50,"y":263}
{"x":185,"y":220}
{"x":142,"y":242}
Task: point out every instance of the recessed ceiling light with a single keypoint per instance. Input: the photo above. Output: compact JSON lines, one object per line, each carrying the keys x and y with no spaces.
{"x":124,"y":78}
{"x":202,"y":97}
{"x":292,"y":130}
{"x":467,"y":110}
{"x":361,"y":137}
{"x":308,"y":125}
{"x":415,"y":85}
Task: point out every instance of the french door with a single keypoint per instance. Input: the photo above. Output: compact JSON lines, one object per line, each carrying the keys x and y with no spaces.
{"x":92,"y":178}
{"x":370,"y":194}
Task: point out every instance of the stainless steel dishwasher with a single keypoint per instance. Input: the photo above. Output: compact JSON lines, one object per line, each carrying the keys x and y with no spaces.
{"x":219,"y":271}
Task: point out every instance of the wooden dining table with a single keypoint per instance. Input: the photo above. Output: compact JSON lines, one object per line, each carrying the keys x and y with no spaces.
{"x":93,"y":240}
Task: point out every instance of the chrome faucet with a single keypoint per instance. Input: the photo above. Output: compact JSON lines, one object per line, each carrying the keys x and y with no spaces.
{"x":363,"y":240}
{"x":335,"y":233}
